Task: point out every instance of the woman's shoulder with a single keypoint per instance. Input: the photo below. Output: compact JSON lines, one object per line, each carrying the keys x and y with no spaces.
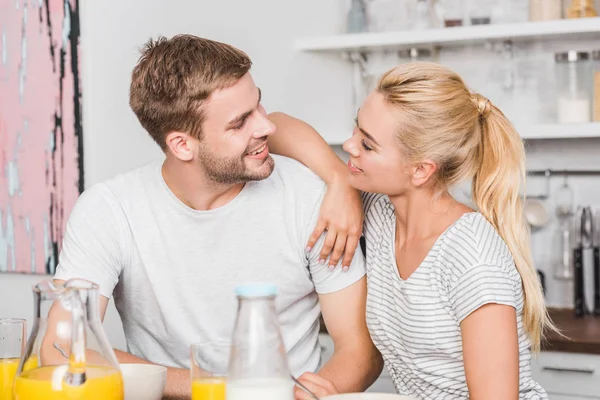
{"x":473,"y":242}
{"x":378,"y":210}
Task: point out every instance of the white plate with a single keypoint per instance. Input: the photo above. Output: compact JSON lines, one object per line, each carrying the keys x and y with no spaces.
{"x":367,"y":396}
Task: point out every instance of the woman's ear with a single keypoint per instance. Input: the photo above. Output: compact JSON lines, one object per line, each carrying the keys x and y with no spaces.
{"x":423,"y":172}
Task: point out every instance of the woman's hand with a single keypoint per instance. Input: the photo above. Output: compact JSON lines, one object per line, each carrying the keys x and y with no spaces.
{"x":321,"y":387}
{"x":342,"y":217}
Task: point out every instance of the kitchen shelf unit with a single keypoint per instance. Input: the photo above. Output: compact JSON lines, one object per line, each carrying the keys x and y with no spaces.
{"x":354,"y":47}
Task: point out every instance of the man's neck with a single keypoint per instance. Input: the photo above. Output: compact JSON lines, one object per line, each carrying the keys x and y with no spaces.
{"x":194,"y":189}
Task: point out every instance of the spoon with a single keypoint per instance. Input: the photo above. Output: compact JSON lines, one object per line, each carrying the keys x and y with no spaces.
{"x":304,"y":388}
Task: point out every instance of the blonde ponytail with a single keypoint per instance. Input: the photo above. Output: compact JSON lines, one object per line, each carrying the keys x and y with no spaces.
{"x":469,"y":138}
{"x":496,"y":191}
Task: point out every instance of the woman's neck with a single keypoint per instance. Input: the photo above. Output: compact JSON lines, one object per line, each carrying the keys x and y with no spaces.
{"x":421,"y":215}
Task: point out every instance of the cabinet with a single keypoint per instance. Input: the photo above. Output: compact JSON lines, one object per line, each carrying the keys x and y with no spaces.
{"x":568,"y":375}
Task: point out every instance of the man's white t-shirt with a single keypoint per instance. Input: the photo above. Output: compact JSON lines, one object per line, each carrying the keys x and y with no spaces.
{"x":173,"y":269}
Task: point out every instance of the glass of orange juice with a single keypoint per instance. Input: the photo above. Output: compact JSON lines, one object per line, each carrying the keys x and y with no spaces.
{"x":12,"y":344}
{"x":208,"y":370}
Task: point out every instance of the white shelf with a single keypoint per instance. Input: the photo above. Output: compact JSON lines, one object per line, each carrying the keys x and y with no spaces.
{"x":560,"y":131}
{"x":548,"y":131}
{"x":576,"y":28}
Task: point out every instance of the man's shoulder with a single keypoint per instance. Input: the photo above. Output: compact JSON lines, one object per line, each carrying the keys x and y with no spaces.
{"x":127,"y":183}
{"x":118,"y":190}
{"x":295,"y":174}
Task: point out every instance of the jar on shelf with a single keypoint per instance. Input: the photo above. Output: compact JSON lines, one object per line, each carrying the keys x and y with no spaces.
{"x":596,"y":86}
{"x":545,"y":10}
{"x":453,"y":12}
{"x":573,"y":78}
{"x":581,"y":9}
{"x":426,"y":15}
{"x":480,"y":11}
{"x":389,"y":15}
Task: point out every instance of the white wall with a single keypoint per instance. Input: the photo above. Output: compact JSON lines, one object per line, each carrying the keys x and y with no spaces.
{"x":264,"y":29}
{"x":112,"y":33}
{"x":300,"y":84}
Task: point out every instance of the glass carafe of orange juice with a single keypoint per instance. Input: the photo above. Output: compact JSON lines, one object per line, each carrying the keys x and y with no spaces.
{"x":73,"y":357}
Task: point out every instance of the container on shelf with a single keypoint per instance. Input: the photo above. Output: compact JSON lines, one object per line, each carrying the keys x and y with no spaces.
{"x":453,"y":12}
{"x":573,"y":78}
{"x":480,"y":12}
{"x":390,"y":15}
{"x":426,"y":15}
{"x":356,"y":19}
{"x":545,"y":10}
{"x":596,"y":87}
{"x":581,"y":9}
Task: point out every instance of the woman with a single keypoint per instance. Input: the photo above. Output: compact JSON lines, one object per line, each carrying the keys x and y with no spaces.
{"x":454,"y":302}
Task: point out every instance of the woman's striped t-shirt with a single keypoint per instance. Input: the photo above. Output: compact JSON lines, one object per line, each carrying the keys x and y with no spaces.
{"x":415,"y":323}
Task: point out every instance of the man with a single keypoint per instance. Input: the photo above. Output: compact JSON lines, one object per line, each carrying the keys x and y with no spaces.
{"x":171,"y":240}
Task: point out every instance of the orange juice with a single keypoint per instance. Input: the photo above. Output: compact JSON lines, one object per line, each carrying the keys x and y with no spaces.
{"x":8,"y":370}
{"x":48,"y":383}
{"x":208,"y":389}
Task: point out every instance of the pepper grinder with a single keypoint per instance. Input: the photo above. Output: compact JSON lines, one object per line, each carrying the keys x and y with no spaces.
{"x":596,"y":246}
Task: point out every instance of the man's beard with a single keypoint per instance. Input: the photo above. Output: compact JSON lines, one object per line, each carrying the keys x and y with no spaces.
{"x":230,"y":171}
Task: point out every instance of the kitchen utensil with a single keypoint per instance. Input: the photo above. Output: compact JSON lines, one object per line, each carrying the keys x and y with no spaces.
{"x":536,"y":214}
{"x":564,"y":199}
{"x":542,"y":278}
{"x":562,"y":247}
{"x":596,"y":246}
{"x":304,"y":388}
{"x":582,"y":240}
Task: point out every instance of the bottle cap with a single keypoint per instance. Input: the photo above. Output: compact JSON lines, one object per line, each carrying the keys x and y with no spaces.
{"x":256,"y":290}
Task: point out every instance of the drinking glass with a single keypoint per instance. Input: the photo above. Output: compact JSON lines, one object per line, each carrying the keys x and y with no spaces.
{"x":208,"y":370}
{"x":12,"y":344}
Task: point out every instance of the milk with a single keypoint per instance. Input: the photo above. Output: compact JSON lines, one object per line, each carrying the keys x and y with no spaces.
{"x":260,"y":389}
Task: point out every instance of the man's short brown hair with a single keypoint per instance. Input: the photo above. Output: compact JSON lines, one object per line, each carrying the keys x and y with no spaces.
{"x":174,"y":76}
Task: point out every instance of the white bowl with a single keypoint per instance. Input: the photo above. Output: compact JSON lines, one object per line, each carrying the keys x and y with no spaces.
{"x":144,"y":381}
{"x":367,"y":396}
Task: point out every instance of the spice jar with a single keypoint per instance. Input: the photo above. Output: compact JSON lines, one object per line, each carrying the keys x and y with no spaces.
{"x":480,"y":11}
{"x":545,"y":10}
{"x":573,"y":76}
{"x":596,"y":86}
{"x":581,"y":9}
{"x":453,"y":12}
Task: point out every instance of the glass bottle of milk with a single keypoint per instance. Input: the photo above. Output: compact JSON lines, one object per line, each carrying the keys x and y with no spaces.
{"x":258,"y":367}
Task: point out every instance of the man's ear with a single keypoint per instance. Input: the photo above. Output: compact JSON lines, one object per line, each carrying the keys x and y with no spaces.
{"x":181,"y":145}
